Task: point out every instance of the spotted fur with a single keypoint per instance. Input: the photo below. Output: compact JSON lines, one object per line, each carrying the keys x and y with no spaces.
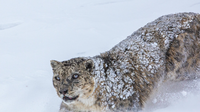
{"x":123,"y":78}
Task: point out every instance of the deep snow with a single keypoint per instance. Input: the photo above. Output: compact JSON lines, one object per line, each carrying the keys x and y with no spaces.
{"x":32,"y":32}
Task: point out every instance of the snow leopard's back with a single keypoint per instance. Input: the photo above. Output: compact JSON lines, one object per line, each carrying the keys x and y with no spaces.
{"x":171,"y":40}
{"x":165,"y":49}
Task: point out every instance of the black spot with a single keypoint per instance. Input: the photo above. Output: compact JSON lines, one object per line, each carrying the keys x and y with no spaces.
{"x":129,"y":109}
{"x":189,"y":30}
{"x":89,"y":65}
{"x":168,"y":54}
{"x":178,"y":71}
{"x":131,"y":101}
{"x":90,"y":90}
{"x":191,"y":53}
{"x":121,"y":105}
{"x":99,"y":104}
{"x":185,"y":64}
{"x":176,"y":43}
{"x":126,"y":49}
{"x":131,"y":70}
{"x":178,"y":57}
{"x":66,"y":64}
{"x":194,"y":62}
{"x":76,"y":82}
{"x":170,"y":65}
{"x":109,"y":105}
{"x":98,"y":99}
{"x":115,"y":100}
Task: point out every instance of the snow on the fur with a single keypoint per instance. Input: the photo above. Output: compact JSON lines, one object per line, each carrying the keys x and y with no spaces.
{"x":34,"y":32}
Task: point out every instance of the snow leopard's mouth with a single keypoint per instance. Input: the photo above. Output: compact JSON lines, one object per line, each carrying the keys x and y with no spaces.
{"x":69,"y":98}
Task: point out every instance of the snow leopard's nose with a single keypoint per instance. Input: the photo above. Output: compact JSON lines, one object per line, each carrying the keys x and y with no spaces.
{"x":63,"y":92}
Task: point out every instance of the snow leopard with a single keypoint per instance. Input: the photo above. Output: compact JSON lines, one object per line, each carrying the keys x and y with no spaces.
{"x":123,"y":78}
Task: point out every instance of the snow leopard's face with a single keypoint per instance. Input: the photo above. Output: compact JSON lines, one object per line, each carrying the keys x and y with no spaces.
{"x":72,"y":79}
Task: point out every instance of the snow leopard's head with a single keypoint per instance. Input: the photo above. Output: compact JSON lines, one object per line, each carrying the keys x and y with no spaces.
{"x":73,"y":79}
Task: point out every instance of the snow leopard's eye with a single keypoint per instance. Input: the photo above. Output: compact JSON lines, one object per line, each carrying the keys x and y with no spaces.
{"x":57,"y":78}
{"x":75,"y":76}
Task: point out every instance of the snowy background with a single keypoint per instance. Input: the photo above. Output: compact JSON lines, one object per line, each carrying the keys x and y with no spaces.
{"x":33,"y":32}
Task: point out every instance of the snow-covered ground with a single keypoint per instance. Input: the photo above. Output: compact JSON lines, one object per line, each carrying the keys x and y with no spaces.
{"x":32,"y":32}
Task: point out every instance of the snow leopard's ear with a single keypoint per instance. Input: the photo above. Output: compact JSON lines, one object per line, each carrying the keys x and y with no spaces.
{"x":55,"y":63}
{"x":89,"y":65}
